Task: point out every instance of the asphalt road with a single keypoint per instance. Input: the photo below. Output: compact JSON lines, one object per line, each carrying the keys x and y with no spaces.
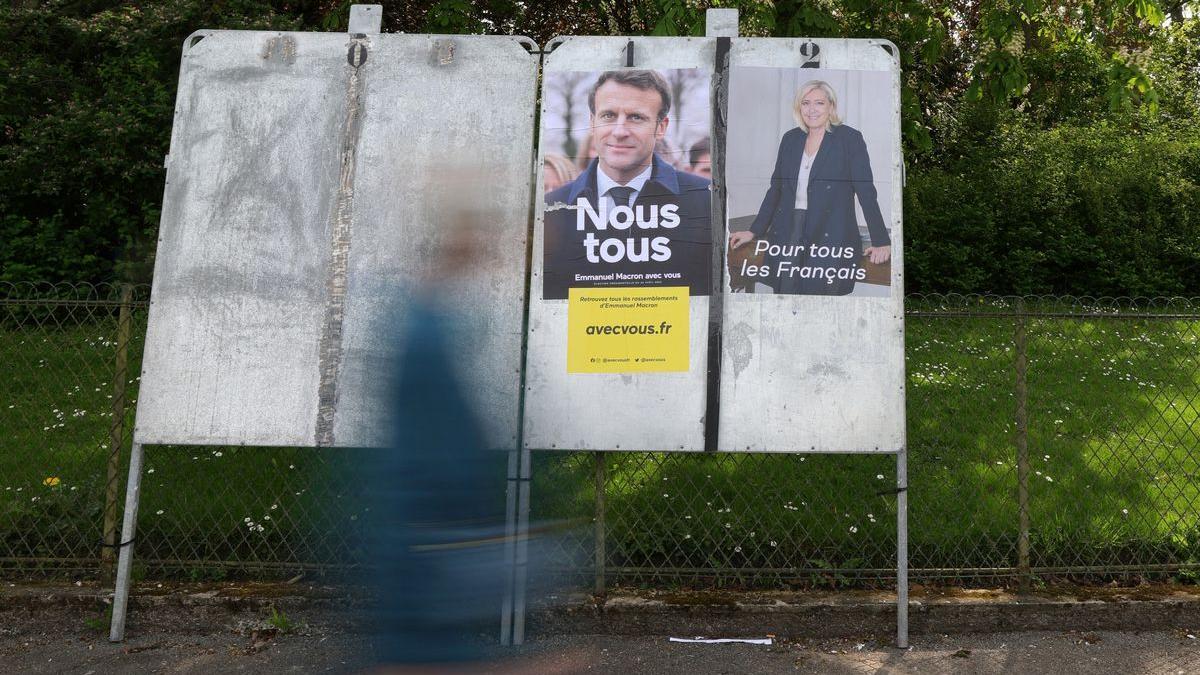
{"x":71,"y":638}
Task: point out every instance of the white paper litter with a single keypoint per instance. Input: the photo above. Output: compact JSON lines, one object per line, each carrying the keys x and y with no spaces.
{"x":713,"y":641}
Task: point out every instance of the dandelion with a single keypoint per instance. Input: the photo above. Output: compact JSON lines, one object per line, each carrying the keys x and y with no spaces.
{"x":158,"y":512}
{"x":149,"y":470}
{"x":1125,"y":511}
{"x":274,"y":506}
{"x":51,"y":481}
{"x":218,"y":454}
{"x":878,"y":476}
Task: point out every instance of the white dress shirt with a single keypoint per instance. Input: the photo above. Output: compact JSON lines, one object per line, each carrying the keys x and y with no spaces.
{"x":604,"y":184}
{"x":806,"y":163}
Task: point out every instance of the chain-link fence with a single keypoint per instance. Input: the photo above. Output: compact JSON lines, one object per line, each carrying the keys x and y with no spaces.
{"x":1048,"y":437}
{"x":71,"y":354}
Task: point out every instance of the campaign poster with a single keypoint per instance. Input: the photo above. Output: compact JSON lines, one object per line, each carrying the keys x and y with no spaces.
{"x":625,"y":177}
{"x":625,"y":330}
{"x":809,"y":166}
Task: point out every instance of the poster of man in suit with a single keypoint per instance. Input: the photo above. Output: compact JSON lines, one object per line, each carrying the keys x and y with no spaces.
{"x":624,"y":206}
{"x":809,"y":173}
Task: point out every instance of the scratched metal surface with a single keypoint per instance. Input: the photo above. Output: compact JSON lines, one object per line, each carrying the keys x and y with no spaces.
{"x":447,"y":134}
{"x":291,"y":229}
{"x":239,"y":278}
{"x":639,"y":411}
{"x":809,"y":373}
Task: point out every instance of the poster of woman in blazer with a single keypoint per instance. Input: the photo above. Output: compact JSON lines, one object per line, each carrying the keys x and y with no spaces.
{"x":818,"y":228}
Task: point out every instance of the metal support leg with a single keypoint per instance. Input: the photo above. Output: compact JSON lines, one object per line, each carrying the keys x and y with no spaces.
{"x":128,"y":529}
{"x":902,"y":549}
{"x":510,"y":548}
{"x":522,"y":568}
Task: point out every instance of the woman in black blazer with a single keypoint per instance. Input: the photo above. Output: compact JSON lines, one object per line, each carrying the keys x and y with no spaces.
{"x":815,"y":247}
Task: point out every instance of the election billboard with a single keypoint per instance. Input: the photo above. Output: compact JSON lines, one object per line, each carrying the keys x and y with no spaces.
{"x":810,"y":172}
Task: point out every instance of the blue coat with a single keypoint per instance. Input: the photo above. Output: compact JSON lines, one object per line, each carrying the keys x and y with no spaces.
{"x":841,"y":170}
{"x":690,"y":241}
{"x":434,"y":524}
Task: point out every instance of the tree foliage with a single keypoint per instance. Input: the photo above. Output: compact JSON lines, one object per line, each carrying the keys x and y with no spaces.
{"x":85,"y":113}
{"x":1049,"y":143}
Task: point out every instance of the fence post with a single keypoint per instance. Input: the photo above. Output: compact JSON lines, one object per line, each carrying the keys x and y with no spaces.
{"x":116,"y":437}
{"x":601,"y":479}
{"x":1021,"y":365}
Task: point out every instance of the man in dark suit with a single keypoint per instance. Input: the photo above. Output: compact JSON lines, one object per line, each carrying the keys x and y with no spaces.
{"x":630,"y":219}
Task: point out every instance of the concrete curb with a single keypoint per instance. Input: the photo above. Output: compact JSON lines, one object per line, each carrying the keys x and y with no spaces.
{"x":233,"y":596}
{"x":713,"y":614}
{"x":855,"y":613}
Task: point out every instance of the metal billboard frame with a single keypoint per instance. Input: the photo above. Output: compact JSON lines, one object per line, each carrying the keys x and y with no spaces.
{"x":721,"y":30}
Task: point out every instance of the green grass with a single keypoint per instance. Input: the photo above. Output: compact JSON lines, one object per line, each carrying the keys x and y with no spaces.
{"x":1113,"y":447}
{"x":265,"y":509}
{"x":1114,"y":457}
{"x":281,"y":622}
{"x":56,"y":417}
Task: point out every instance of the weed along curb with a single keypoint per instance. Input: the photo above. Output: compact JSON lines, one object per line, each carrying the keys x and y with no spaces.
{"x":854,"y":613}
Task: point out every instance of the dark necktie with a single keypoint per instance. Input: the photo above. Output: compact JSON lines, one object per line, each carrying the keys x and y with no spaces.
{"x":620,"y":194}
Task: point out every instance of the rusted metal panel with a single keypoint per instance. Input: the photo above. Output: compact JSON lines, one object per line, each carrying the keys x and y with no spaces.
{"x":447,"y":137}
